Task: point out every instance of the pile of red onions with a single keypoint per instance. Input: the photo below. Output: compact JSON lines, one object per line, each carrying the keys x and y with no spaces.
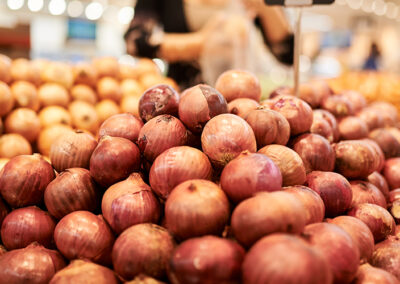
{"x":124,"y":125}
{"x":380,"y":182}
{"x":352,"y":127}
{"x":387,"y":257}
{"x":365,"y":192}
{"x":369,"y":274}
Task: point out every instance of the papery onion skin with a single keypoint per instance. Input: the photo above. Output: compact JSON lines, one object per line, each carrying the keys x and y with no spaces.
{"x":82,"y":234}
{"x":380,"y":182}
{"x":124,"y":125}
{"x":195,"y":208}
{"x":267,"y":213}
{"x":388,"y":111}
{"x":25,"y":95}
{"x":337,"y":247}
{"x":357,"y":100}
{"x":33,"y":264}
{"x":6,"y":99}
{"x":75,"y":182}
{"x":372,"y":117}
{"x":13,"y":144}
{"x":143,"y":248}
{"x":248,"y":174}
{"x":176,"y":165}
{"x":365,"y":192}
{"x":3,"y":250}
{"x":285,"y":259}
{"x":387,"y":141}
{"x":394,"y":204}
{"x":84,"y":116}
{"x":322,"y":127}
{"x":338,"y":105}
{"x":24,"y":179}
{"x":242,"y":106}
{"x":83,"y":93}
{"x":25,"y":122}
{"x":352,"y":127}
{"x":379,"y":155}
{"x":386,"y":256}
{"x":368,"y":274}
{"x":330,"y":118}
{"x":391,"y":171}
{"x":207,"y":259}
{"x":314,"y":92}
{"x":49,"y":135}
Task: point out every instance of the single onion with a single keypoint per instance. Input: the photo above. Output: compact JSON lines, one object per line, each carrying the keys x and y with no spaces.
{"x":84,"y":93}
{"x":234,"y":84}
{"x":6,"y":98}
{"x":337,"y":247}
{"x":33,"y":264}
{"x":106,"y":66}
{"x":83,"y":271}
{"x":285,"y":259}
{"x":24,"y":179}
{"x":124,"y":125}
{"x":352,"y":127}
{"x":54,"y":115}
{"x":195,"y":208}
{"x":85,"y":73}
{"x":128,"y":203}
{"x":372,"y":117}
{"x":334,"y":190}
{"x":386,"y":141}
{"x":207,"y":259}
{"x":105,"y":109}
{"x":25,"y":122}
{"x":378,"y":219}
{"x":248,"y":174}
{"x":395,"y":132}
{"x":391,"y":172}
{"x":5,"y":68}
{"x":51,"y":94}
{"x":49,"y":135}
{"x":3,"y":210}
{"x":367,"y":274}
{"x":82,"y":234}
{"x":198,"y":105}
{"x":328,"y":117}
{"x":379,"y":155}
{"x":74,"y":182}
{"x":387,"y":257}
{"x":338,"y":105}
{"x":143,"y":248}
{"x":131,"y":87}
{"x":242,"y":106}
{"x":388,"y":111}
{"x":289,"y":163}
{"x":72,"y":150}
{"x":365,"y":192}
{"x":359,"y":232}
{"x":267,"y":213}
{"x":312,"y":201}
{"x":314,"y":92}
{"x":23,"y":69}
{"x":322,"y":127}
{"x":84,"y":116}
{"x":58,"y":72}
{"x":357,"y":99}
{"x":394,"y":204}
{"x":269,"y":126}
{"x":12,"y":145}
{"x":27,"y":225}
{"x":108,"y":88}
{"x":130,"y":104}
{"x":380,"y":182}
{"x":175,"y":166}
{"x":25,"y":95}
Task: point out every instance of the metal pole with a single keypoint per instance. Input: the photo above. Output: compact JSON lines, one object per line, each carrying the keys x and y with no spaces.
{"x":297,"y":43}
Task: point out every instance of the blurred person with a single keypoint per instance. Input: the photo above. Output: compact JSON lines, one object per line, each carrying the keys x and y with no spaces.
{"x":372,"y":61}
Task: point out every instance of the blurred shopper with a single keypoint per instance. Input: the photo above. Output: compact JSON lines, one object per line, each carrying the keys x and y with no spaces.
{"x":372,"y":62}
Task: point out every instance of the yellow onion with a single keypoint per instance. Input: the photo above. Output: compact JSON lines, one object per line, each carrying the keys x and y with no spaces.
{"x":53,"y":94}
{"x":25,"y":95}
{"x":23,"y":69}
{"x":131,"y":87}
{"x":12,"y":145}
{"x":58,"y":72}
{"x":108,"y":88}
{"x":148,"y":80}
{"x":49,"y":135}
{"x":85,"y":73}
{"x":6,"y":99}
{"x":105,"y":109}
{"x":25,"y":122}
{"x":130,"y":104}
{"x":106,"y":66}
{"x":54,"y":115}
{"x":84,"y":116}
{"x":84,"y":93}
{"x":5,"y":66}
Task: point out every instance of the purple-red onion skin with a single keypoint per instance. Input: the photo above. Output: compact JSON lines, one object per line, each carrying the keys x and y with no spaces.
{"x":352,"y":127}
{"x":3,"y":210}
{"x":176,"y":165}
{"x":394,"y":204}
{"x":391,"y":171}
{"x":334,"y":190}
{"x":242,"y":106}
{"x":379,"y":155}
{"x":124,"y":125}
{"x":207,"y":259}
{"x":333,"y":131}
{"x":285,"y":259}
{"x":143,"y":249}
{"x":196,"y":208}
{"x":386,"y":141}
{"x":357,"y":100}
{"x":248,"y":174}
{"x":322,"y":127}
{"x":338,"y":105}
{"x":388,"y":111}
{"x":372,"y":117}
{"x":234,"y":84}
{"x":380,"y":182}
{"x":130,"y":202}
{"x":23,"y":180}
{"x":386,"y":256}
{"x":267,"y":213}
{"x":365,"y":192}
{"x":368,"y":274}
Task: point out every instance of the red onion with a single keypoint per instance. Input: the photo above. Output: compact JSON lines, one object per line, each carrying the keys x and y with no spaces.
{"x":74,"y":182}
{"x":334,"y":190}
{"x":388,"y":111}
{"x":144,"y":279}
{"x":391,"y":172}
{"x":160,"y":99}
{"x":283,"y":90}
{"x":386,"y":141}
{"x":128,"y":203}
{"x":368,"y":274}
{"x":322,"y":127}
{"x":242,"y":106}
{"x":395,"y":132}
{"x":196,"y":208}
{"x":248,"y":174}
{"x":176,"y":165}
{"x":372,"y":117}
{"x":113,"y":160}
{"x":72,"y":150}
{"x":378,"y":219}
{"x":289,"y":163}
{"x":359,"y":232}
{"x":3,"y":209}
{"x":27,"y":225}
{"x":124,"y":125}
{"x":83,"y":271}
{"x":394,"y":204}
{"x":285,"y":259}
{"x":269,"y":126}
{"x":3,"y":250}
{"x":24,"y":179}
{"x":159,"y":134}
{"x":352,"y":127}
{"x":337,"y":247}
{"x":313,"y":203}
{"x":356,"y":99}
{"x":379,"y":156}
{"x":338,"y":105}
{"x":365,"y":192}
{"x":314,"y":92}
{"x":206,"y":259}
{"x":387,"y":257}
{"x":33,"y":264}
{"x":380,"y":182}
{"x":267,"y":213}
{"x":143,"y":248}
{"x":225,"y":136}
{"x":82,"y":234}
{"x":234,"y":84}
{"x":198,"y":105}
{"x":331,"y":120}
{"x":315,"y":151}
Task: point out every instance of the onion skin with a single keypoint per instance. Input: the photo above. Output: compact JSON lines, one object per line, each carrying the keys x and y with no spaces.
{"x":159,"y":134}
{"x":124,"y":125}
{"x":196,"y":208}
{"x":322,"y":127}
{"x":128,"y":203}
{"x":352,"y":127}
{"x":49,"y":135}
{"x":143,"y":279}
{"x":391,"y":171}
{"x":372,"y":117}
{"x":33,"y":264}
{"x":84,"y":116}
{"x":242,"y":106}
{"x":315,"y":151}
{"x":365,"y":192}
{"x":248,"y":174}
{"x":289,"y":163}
{"x":368,"y":274}
{"x":386,"y":256}
{"x":313,"y":203}
{"x":108,"y":88}
{"x":24,"y":179}
{"x":314,"y":92}
{"x":6,"y":99}
{"x":285,"y":259}
{"x":54,"y":115}
{"x":175,"y":166}
{"x":378,"y":219}
{"x":379,"y":156}
{"x":267,"y":213}
{"x":81,"y":92}
{"x":380,"y":182}
{"x":3,"y":210}
{"x":198,"y":105}
{"x":357,"y":100}
{"x":83,"y":271}
{"x":53,"y":94}
{"x":12,"y":145}
{"x":25,"y":122}
{"x":106,"y":108}
{"x":269,"y":126}
{"x":338,"y":105}
{"x":143,"y":248}
{"x":75,"y":182}
{"x":394,"y":204}
{"x":25,"y":95}
{"x":225,"y":136}
{"x":333,"y":132}
{"x":334,"y":190}
{"x":337,"y":247}
{"x":207,"y":259}
{"x":82,"y":234}
{"x":388,"y":111}
{"x":386,"y":141}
